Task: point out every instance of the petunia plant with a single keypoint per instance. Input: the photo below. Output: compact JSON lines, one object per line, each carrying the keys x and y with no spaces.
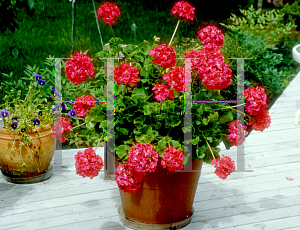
{"x":149,"y":103}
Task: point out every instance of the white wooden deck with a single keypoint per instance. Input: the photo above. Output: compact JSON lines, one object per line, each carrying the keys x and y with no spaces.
{"x":263,"y":199}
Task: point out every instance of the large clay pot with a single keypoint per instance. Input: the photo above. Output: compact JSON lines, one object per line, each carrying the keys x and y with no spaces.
{"x":164,"y":200}
{"x":29,"y":162}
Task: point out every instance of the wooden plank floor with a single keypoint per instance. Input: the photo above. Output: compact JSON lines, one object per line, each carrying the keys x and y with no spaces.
{"x":262,"y":199}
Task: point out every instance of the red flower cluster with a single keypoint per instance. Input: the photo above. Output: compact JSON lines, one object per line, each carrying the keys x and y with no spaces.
{"x":164,"y":56}
{"x":161,"y":92}
{"x":78,"y":67}
{"x":64,"y":128}
{"x":184,"y":11}
{"x":224,"y":166}
{"x":213,"y":70}
{"x":199,"y":58}
{"x":109,"y":12}
{"x":256,"y":100}
{"x":237,"y":132}
{"x":176,"y":78}
{"x":126,"y":73}
{"x":88,"y":163}
{"x":217,"y":74}
{"x":261,"y":121}
{"x":127,"y":178}
{"x":211,"y":34}
{"x":172,"y":159}
{"x":82,"y":104}
{"x":143,"y":158}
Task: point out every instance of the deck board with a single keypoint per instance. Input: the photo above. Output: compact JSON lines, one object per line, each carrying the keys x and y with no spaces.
{"x":262,"y":199}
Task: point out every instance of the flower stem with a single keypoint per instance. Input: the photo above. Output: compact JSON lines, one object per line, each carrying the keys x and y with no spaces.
{"x":77,"y":126}
{"x":174,"y":32}
{"x":99,"y":142}
{"x":114,"y":37}
{"x":208,"y":146}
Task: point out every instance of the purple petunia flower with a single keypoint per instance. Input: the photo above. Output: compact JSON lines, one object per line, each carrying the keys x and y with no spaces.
{"x":42,"y":82}
{"x":23,"y":130}
{"x":4,"y":113}
{"x":36,"y":121}
{"x":40,"y":113}
{"x":14,"y":125}
{"x":72,"y":113}
{"x":63,"y":106}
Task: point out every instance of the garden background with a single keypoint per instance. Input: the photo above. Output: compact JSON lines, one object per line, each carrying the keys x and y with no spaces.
{"x":45,"y":28}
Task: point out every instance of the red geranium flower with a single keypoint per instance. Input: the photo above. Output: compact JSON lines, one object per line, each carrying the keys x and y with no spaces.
{"x":127,"y":178}
{"x":197,"y":58}
{"x":64,"y":128}
{"x":224,"y":166}
{"x":164,"y":56}
{"x":176,"y":78}
{"x":211,"y":34}
{"x":109,"y":12}
{"x":172,"y":159}
{"x":256,"y":100}
{"x":184,"y":11}
{"x":88,"y":163}
{"x":82,"y":104}
{"x":78,"y":67}
{"x":161,"y":92}
{"x":126,"y":73}
{"x":237,"y":133}
{"x":261,"y":122}
{"x":143,"y":158}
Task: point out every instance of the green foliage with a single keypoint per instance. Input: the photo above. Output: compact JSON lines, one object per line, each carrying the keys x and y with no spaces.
{"x":270,"y":23}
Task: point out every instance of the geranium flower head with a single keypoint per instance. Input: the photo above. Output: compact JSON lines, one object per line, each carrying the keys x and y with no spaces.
{"x":127,"y":178}
{"x":78,"y":67}
{"x":256,"y":100}
{"x":164,"y":56}
{"x":125,"y":73}
{"x":88,"y":163}
{"x":175,"y":78}
{"x":224,"y":166}
{"x":109,"y":12}
{"x":237,"y":133}
{"x":172,"y":159}
{"x":211,"y":34}
{"x":261,"y":122}
{"x":82,"y":104}
{"x":162,"y":92}
{"x":184,"y":11}
{"x":143,"y":158}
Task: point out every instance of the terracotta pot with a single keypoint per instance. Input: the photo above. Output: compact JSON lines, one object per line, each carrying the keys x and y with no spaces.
{"x":164,"y":197}
{"x":37,"y":157}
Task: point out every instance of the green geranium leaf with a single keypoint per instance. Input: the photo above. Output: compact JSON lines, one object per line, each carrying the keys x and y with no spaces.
{"x":89,"y":123}
{"x":140,"y":92}
{"x":138,"y":58}
{"x":162,"y":145}
{"x":185,"y":159}
{"x":122,"y":151}
{"x":205,"y":121}
{"x":196,"y":140}
{"x":226,"y":118}
{"x":173,"y":121}
{"x":226,"y":142}
{"x":144,"y":72}
{"x":213,"y":117}
{"x":119,"y":88}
